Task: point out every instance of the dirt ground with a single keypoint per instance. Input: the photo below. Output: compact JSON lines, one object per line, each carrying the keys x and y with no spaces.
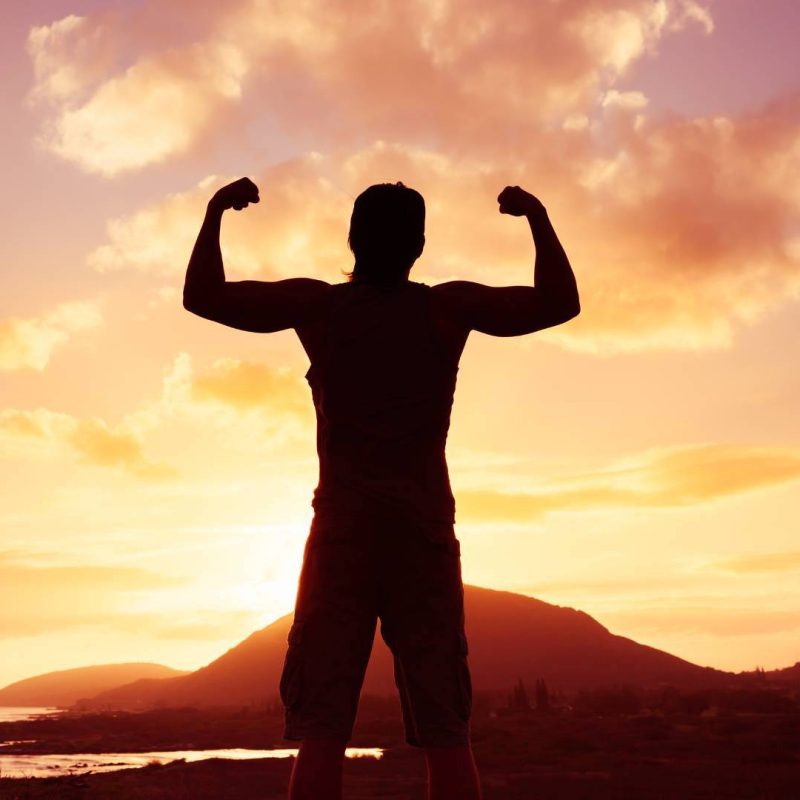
{"x":561,"y":757}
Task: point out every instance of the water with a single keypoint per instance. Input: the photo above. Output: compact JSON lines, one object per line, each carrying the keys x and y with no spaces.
{"x":42,"y":766}
{"x":38,"y":765}
{"x":21,"y":713}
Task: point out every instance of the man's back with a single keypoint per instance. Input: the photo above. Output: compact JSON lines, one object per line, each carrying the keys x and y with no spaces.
{"x":384,"y":356}
{"x":383,"y":373}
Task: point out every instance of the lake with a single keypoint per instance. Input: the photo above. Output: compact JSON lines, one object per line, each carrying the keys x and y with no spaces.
{"x":41,"y":766}
{"x":38,"y":765}
{"x":20,"y":713}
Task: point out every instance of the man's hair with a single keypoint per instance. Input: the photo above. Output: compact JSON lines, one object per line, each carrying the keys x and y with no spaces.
{"x":387,"y":232}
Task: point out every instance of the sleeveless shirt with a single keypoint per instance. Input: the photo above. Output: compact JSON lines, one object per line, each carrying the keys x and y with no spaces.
{"x":383,"y":386}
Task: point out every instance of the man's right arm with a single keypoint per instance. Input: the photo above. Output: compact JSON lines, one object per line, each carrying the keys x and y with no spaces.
{"x":258,"y":306}
{"x":518,"y":310}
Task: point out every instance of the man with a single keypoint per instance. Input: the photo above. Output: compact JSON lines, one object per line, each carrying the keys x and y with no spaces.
{"x":384,"y":353}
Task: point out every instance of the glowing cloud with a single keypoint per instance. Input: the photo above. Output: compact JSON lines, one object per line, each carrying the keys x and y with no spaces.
{"x":92,"y":440}
{"x":521,"y":63}
{"x":762,"y":562}
{"x":236,"y":397}
{"x":707,"y":619}
{"x":671,"y":251}
{"x":151,"y":110}
{"x":29,"y":343}
{"x":50,"y":597}
{"x":246,"y":386}
{"x":667,"y":478}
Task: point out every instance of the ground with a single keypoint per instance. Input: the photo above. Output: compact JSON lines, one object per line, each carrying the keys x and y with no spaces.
{"x":557,"y":756}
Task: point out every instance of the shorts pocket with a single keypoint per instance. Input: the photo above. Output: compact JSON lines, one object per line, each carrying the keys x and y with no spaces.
{"x":295,"y":633}
{"x":442,"y":535}
{"x":464,"y":680}
{"x":330,"y":530}
{"x":292,"y":676}
{"x":453,"y":546}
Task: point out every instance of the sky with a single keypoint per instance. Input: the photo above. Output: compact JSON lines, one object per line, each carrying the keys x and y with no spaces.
{"x":640,"y":463}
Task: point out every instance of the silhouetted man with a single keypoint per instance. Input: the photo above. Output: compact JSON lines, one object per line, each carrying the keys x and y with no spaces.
{"x":384,"y":355}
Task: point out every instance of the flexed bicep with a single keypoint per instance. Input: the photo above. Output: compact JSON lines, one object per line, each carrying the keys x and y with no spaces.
{"x":500,"y":310}
{"x":264,"y":306}
{"x":518,"y":310}
{"x":258,"y":306}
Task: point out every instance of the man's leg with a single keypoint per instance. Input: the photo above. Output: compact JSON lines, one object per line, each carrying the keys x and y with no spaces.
{"x":422,"y":622}
{"x":317,"y":771}
{"x":329,"y":647}
{"x":452,"y":774}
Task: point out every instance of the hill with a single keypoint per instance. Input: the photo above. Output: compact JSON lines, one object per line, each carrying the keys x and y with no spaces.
{"x":65,"y":687}
{"x":790,"y":676}
{"x":510,"y":636}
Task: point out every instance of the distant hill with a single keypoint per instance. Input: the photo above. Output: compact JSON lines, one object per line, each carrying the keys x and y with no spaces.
{"x":66,"y":687}
{"x":787,"y":675}
{"x":510,"y":636}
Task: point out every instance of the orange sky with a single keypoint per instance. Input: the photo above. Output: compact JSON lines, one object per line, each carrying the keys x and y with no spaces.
{"x":640,"y":463}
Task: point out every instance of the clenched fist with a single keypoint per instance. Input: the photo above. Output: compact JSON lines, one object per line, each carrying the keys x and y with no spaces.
{"x":236,"y":195}
{"x":518,"y":202}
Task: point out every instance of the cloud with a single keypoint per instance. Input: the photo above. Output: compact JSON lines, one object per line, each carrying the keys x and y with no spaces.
{"x":664,"y":478}
{"x":76,"y":578}
{"x":246,"y":386}
{"x":669,"y":252}
{"x":705,"y":620}
{"x":227,"y":391}
{"x":29,"y":343}
{"x":109,"y":119}
{"x":625,"y":100}
{"x":208,"y":625}
{"x":53,"y":596}
{"x":98,"y":444}
{"x":306,"y":229}
{"x":680,"y":230}
{"x":356,"y":76}
{"x":239,"y":399}
{"x":49,"y":598}
{"x":692,"y":224}
{"x":42,"y":431}
{"x":69,"y":56}
{"x":151,"y":111}
{"x":613,"y":586}
{"x":788,"y":561}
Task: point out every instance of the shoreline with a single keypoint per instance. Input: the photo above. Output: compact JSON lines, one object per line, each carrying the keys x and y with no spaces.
{"x":654,"y":754}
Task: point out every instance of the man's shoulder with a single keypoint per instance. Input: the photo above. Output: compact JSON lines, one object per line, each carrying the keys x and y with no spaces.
{"x":457,"y":297}
{"x":457,"y":288}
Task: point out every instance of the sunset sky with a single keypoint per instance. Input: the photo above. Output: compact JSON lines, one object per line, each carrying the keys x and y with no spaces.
{"x":641,"y":462}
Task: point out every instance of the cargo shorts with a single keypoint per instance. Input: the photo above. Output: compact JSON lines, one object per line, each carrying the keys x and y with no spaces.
{"x":358,"y":569}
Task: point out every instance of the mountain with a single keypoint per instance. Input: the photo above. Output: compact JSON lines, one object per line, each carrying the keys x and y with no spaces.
{"x":64,"y":688}
{"x":789,"y":676}
{"x":510,"y":636}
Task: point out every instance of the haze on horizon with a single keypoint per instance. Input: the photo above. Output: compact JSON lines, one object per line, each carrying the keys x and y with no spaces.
{"x":640,"y":463}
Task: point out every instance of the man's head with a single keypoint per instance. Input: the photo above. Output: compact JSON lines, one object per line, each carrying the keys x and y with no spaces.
{"x":387,"y":232}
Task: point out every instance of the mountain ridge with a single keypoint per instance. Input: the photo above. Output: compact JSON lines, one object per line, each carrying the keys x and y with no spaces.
{"x":510,"y":636}
{"x":62,"y":688}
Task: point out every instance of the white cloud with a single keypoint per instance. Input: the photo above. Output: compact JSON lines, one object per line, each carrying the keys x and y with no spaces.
{"x":409,"y":76}
{"x":44,"y":433}
{"x":29,"y":343}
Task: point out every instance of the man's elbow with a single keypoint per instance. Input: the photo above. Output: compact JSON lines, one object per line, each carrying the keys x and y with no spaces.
{"x":573,"y":310}
{"x":190,"y":303}
{"x":568,"y":310}
{"x":196,"y":304}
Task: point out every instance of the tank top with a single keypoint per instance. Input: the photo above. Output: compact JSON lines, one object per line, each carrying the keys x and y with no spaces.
{"x":383,"y":387}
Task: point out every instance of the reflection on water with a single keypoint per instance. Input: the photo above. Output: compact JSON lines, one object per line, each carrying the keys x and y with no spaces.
{"x":21,"y":713}
{"x":38,"y":765}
